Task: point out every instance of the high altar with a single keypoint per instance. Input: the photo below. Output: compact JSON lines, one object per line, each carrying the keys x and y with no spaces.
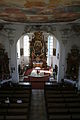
{"x":38,"y":49}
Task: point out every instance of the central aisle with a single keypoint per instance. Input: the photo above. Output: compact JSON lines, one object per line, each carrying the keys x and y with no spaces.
{"x":38,"y":110}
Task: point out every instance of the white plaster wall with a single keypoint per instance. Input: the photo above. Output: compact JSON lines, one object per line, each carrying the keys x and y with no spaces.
{"x":14,"y":74}
{"x":60,"y":50}
{"x":61,"y":62}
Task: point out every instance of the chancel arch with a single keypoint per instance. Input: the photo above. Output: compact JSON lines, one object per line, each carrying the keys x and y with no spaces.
{"x":39,"y":50}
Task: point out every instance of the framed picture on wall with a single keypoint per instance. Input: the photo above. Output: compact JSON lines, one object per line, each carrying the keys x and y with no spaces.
{"x":54,"y":51}
{"x":21,"y":51}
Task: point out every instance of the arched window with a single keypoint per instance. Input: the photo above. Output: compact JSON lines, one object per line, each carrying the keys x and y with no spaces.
{"x":26,"y":45}
{"x":50,"y":45}
{"x":50,"y":49}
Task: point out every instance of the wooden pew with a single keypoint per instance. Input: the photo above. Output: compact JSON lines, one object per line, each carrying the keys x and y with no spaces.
{"x":15,"y":102}
{"x":58,"y":99}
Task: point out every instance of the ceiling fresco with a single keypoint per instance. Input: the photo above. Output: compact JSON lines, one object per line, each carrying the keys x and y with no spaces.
{"x":39,"y":10}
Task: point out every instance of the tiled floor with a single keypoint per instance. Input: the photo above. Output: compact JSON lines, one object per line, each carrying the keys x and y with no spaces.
{"x":38,"y":110}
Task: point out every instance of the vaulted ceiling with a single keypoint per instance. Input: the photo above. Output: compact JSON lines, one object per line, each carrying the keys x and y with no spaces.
{"x":40,"y":11}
